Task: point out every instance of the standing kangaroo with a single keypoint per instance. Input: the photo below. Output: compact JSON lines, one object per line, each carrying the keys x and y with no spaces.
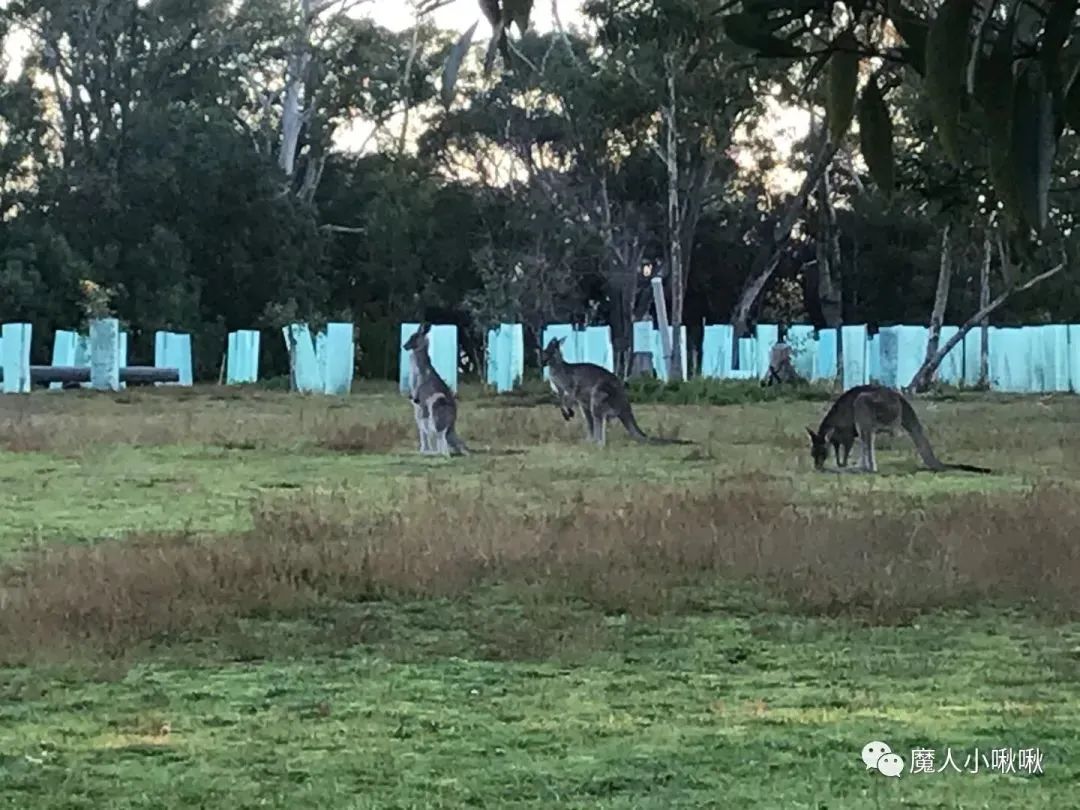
{"x":781,"y":368}
{"x":434,"y":404}
{"x":599,"y":394}
{"x":864,"y":411}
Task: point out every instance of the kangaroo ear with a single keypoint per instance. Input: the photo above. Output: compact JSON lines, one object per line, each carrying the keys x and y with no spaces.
{"x":812,"y":434}
{"x":561,"y":340}
{"x":425,"y":327}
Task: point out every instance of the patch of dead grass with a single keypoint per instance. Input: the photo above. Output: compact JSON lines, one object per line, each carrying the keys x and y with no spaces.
{"x":360,"y":437}
{"x":646,"y":555}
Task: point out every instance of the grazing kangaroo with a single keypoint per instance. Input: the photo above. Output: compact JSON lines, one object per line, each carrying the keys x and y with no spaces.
{"x":864,"y":411}
{"x":433,"y":402}
{"x":599,"y":394}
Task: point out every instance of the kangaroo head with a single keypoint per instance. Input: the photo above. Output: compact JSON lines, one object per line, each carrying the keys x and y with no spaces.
{"x":552,"y":352}
{"x":419,"y":340}
{"x":819,"y":449}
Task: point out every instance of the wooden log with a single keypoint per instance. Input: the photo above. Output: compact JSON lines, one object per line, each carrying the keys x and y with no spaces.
{"x":136,"y":375}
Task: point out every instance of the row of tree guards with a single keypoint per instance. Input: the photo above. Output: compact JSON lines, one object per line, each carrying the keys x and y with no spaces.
{"x":1027,"y":359}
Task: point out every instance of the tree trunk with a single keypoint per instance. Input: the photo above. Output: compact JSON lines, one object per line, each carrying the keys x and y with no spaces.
{"x":768,"y":256}
{"x":830,"y":280}
{"x":624,"y":252}
{"x":624,"y":257}
{"x":984,"y":300}
{"x":621,"y":318}
{"x":292,"y":113}
{"x":931,"y":364}
{"x":675,"y":232}
{"x":291,"y":344}
{"x":663,"y":325}
{"x":922,"y":380}
{"x":830,"y":284}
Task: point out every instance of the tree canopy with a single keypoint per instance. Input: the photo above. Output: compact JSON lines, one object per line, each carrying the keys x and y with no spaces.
{"x":192,"y":159}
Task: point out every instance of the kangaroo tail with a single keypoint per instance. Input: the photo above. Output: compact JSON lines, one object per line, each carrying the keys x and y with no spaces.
{"x":911,"y":423}
{"x":631,"y":425}
{"x":456,"y":443}
{"x":909,"y":420}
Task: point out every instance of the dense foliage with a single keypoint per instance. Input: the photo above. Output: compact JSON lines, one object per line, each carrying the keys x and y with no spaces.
{"x":181,"y":156}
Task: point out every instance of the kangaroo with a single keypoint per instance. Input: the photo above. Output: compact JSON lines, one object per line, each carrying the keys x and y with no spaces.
{"x":864,"y":411}
{"x":434,"y":405}
{"x":781,"y":368}
{"x":599,"y":394}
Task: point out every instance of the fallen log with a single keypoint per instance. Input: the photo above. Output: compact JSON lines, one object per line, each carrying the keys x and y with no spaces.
{"x":72,"y":375}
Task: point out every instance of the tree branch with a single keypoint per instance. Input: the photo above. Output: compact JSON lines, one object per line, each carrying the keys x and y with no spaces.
{"x":563,"y":36}
{"x":769,"y":256}
{"x":342,"y":229}
{"x":930,"y":366}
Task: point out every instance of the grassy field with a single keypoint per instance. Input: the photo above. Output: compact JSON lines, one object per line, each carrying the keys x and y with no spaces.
{"x":224,"y":598}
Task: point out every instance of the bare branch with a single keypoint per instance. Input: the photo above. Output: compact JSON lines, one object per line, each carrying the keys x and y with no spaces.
{"x":431,"y":6}
{"x":414,"y":47}
{"x":342,"y":229}
{"x":317,"y":9}
{"x":330,"y":23}
{"x":937,"y":315}
{"x":986,"y":7}
{"x":517,"y":52}
{"x":931,"y":364}
{"x":563,"y":37}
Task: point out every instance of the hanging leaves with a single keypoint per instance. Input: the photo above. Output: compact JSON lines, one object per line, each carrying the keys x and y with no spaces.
{"x":876,"y":136}
{"x":491,"y":11}
{"x":500,"y":18}
{"x":1033,"y":144}
{"x":453,"y":64}
{"x":1023,"y":113}
{"x":1072,"y":101}
{"x":993,"y":92}
{"x":517,"y":12}
{"x":994,"y":84}
{"x":1060,"y":15}
{"x":798,"y":7}
{"x":1002,"y":176}
{"x":752,"y":31}
{"x":843,"y":78}
{"x":913,"y":30}
{"x":947,"y":50}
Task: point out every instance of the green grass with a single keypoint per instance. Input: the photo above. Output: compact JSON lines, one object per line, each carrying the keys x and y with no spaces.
{"x":744,"y":710}
{"x":499,"y":694}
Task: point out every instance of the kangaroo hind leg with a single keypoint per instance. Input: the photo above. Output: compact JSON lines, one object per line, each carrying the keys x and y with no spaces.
{"x":864,"y":425}
{"x":601,"y":409}
{"x":421,"y":427}
{"x":443,"y":413}
{"x":590,"y":423}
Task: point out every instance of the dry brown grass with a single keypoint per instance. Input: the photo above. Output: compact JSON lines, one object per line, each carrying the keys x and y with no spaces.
{"x":71,"y":422}
{"x":653,"y":554}
{"x":360,"y":437}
